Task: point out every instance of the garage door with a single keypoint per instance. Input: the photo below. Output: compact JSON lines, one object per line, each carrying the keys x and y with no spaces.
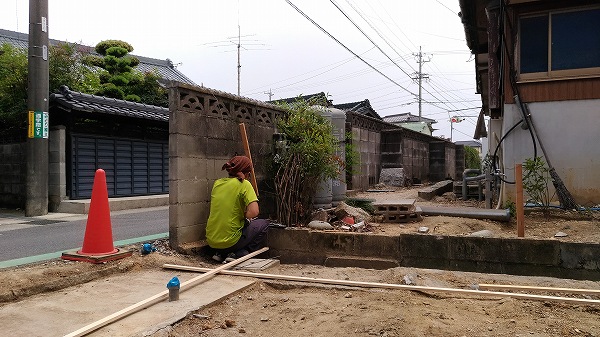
{"x":132,"y":167}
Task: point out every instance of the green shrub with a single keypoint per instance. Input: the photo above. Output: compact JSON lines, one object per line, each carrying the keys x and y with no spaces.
{"x":309,"y":159}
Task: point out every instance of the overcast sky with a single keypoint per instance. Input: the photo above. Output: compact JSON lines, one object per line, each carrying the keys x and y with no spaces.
{"x":284,"y":53}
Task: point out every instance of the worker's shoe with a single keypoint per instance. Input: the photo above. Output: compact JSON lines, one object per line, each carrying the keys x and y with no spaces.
{"x":218,"y":257}
{"x":230,"y":257}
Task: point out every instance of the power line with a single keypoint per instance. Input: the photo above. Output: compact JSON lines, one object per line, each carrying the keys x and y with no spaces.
{"x":348,"y":49}
{"x":373,"y":42}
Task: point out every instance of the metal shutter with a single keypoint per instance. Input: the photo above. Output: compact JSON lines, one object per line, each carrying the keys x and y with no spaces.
{"x":132,"y":167}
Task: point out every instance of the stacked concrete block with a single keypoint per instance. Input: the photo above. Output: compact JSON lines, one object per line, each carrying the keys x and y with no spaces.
{"x":400,"y":211}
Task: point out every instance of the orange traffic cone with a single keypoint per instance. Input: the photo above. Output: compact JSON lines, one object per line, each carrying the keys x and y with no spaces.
{"x":98,"y":240}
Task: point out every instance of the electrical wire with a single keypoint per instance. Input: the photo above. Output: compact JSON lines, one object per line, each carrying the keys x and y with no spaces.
{"x":345,"y":47}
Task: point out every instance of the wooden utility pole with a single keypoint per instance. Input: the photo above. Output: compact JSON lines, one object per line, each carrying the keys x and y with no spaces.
{"x":36,"y":181}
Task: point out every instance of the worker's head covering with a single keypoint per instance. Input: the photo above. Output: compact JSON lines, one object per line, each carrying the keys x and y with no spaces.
{"x":238,"y":167}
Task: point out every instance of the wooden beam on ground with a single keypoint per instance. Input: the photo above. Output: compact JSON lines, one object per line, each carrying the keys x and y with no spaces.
{"x":247,"y":153}
{"x":484,"y":286}
{"x":159,"y":297}
{"x":390,"y":286}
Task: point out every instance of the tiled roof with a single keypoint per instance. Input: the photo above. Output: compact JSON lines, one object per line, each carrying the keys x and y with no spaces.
{"x":76,"y":101}
{"x":407,"y":118}
{"x":165,"y":68}
{"x":471,"y":143}
{"x":362,"y":107}
{"x":319,"y":96}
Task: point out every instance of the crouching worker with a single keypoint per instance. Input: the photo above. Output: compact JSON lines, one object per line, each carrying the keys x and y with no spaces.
{"x":232,"y":229}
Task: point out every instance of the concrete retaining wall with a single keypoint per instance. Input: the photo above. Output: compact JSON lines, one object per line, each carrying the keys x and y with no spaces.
{"x":483,"y":255}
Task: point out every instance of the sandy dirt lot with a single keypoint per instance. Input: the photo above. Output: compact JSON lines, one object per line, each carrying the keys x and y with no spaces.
{"x":284,"y":308}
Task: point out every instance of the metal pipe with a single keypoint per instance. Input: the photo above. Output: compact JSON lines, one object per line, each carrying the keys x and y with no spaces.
{"x":465,"y":179}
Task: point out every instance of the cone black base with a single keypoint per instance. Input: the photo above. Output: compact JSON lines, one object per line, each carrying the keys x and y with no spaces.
{"x":74,"y":256}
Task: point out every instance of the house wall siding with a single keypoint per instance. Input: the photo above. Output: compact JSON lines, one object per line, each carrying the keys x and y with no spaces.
{"x":557,"y":90}
{"x":568,"y":131}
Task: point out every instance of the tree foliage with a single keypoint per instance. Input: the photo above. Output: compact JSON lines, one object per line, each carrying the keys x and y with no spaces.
{"x":13,"y":88}
{"x":309,"y":158}
{"x":118,"y":77}
{"x":66,"y":67}
{"x":472,"y":159}
{"x":73,"y":65}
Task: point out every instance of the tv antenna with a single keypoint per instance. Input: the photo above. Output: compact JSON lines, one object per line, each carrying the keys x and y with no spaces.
{"x":239,"y":45}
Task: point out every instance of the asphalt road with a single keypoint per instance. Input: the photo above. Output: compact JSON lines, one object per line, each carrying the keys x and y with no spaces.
{"x":26,"y":240}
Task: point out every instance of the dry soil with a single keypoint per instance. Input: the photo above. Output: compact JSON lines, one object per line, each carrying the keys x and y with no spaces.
{"x":281,"y":308}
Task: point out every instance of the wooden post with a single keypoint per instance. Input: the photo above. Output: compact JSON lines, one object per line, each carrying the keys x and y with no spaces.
{"x":520,"y":211}
{"x":247,"y":153}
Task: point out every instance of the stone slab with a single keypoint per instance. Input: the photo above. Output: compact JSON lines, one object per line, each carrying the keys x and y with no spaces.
{"x":63,"y":312}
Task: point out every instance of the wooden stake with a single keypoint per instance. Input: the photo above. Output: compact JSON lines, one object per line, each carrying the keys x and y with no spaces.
{"x":159,"y":297}
{"x":532,"y":288}
{"x":520,"y":211}
{"x":247,"y":153}
{"x":390,"y":286}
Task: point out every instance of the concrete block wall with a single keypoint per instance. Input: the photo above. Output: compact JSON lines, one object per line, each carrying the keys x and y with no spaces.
{"x":442,"y":161}
{"x":204,"y":132}
{"x":366,"y":136}
{"x":416,"y":155}
{"x":385,"y":145}
{"x":57,"y":168}
{"x":12,"y":175}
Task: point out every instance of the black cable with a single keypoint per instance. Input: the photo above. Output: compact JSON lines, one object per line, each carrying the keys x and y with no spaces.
{"x":348,"y":49}
{"x":495,"y":156}
{"x":513,"y":74}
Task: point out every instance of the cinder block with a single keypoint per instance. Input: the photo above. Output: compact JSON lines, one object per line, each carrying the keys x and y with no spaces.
{"x":401,"y":218}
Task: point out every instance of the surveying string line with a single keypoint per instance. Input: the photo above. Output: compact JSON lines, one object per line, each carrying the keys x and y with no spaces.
{"x":344,"y":46}
{"x":390,"y":286}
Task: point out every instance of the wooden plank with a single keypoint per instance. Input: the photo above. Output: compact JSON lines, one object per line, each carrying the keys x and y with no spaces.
{"x":391,"y":286}
{"x":533,"y":288}
{"x":247,"y":152}
{"x":159,"y":297}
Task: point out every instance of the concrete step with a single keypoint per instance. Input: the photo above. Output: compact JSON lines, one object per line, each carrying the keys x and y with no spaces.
{"x":116,"y":204}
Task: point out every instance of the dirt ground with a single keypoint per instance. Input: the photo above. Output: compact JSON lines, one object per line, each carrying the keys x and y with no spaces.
{"x":283,"y":308}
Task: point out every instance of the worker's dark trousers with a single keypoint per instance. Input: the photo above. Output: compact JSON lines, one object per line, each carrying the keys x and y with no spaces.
{"x":252,"y":239}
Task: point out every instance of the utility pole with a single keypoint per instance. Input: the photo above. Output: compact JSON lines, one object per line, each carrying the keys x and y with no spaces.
{"x":269,"y":93}
{"x":36,"y":181}
{"x":420,"y":76}
{"x":239,"y":66}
